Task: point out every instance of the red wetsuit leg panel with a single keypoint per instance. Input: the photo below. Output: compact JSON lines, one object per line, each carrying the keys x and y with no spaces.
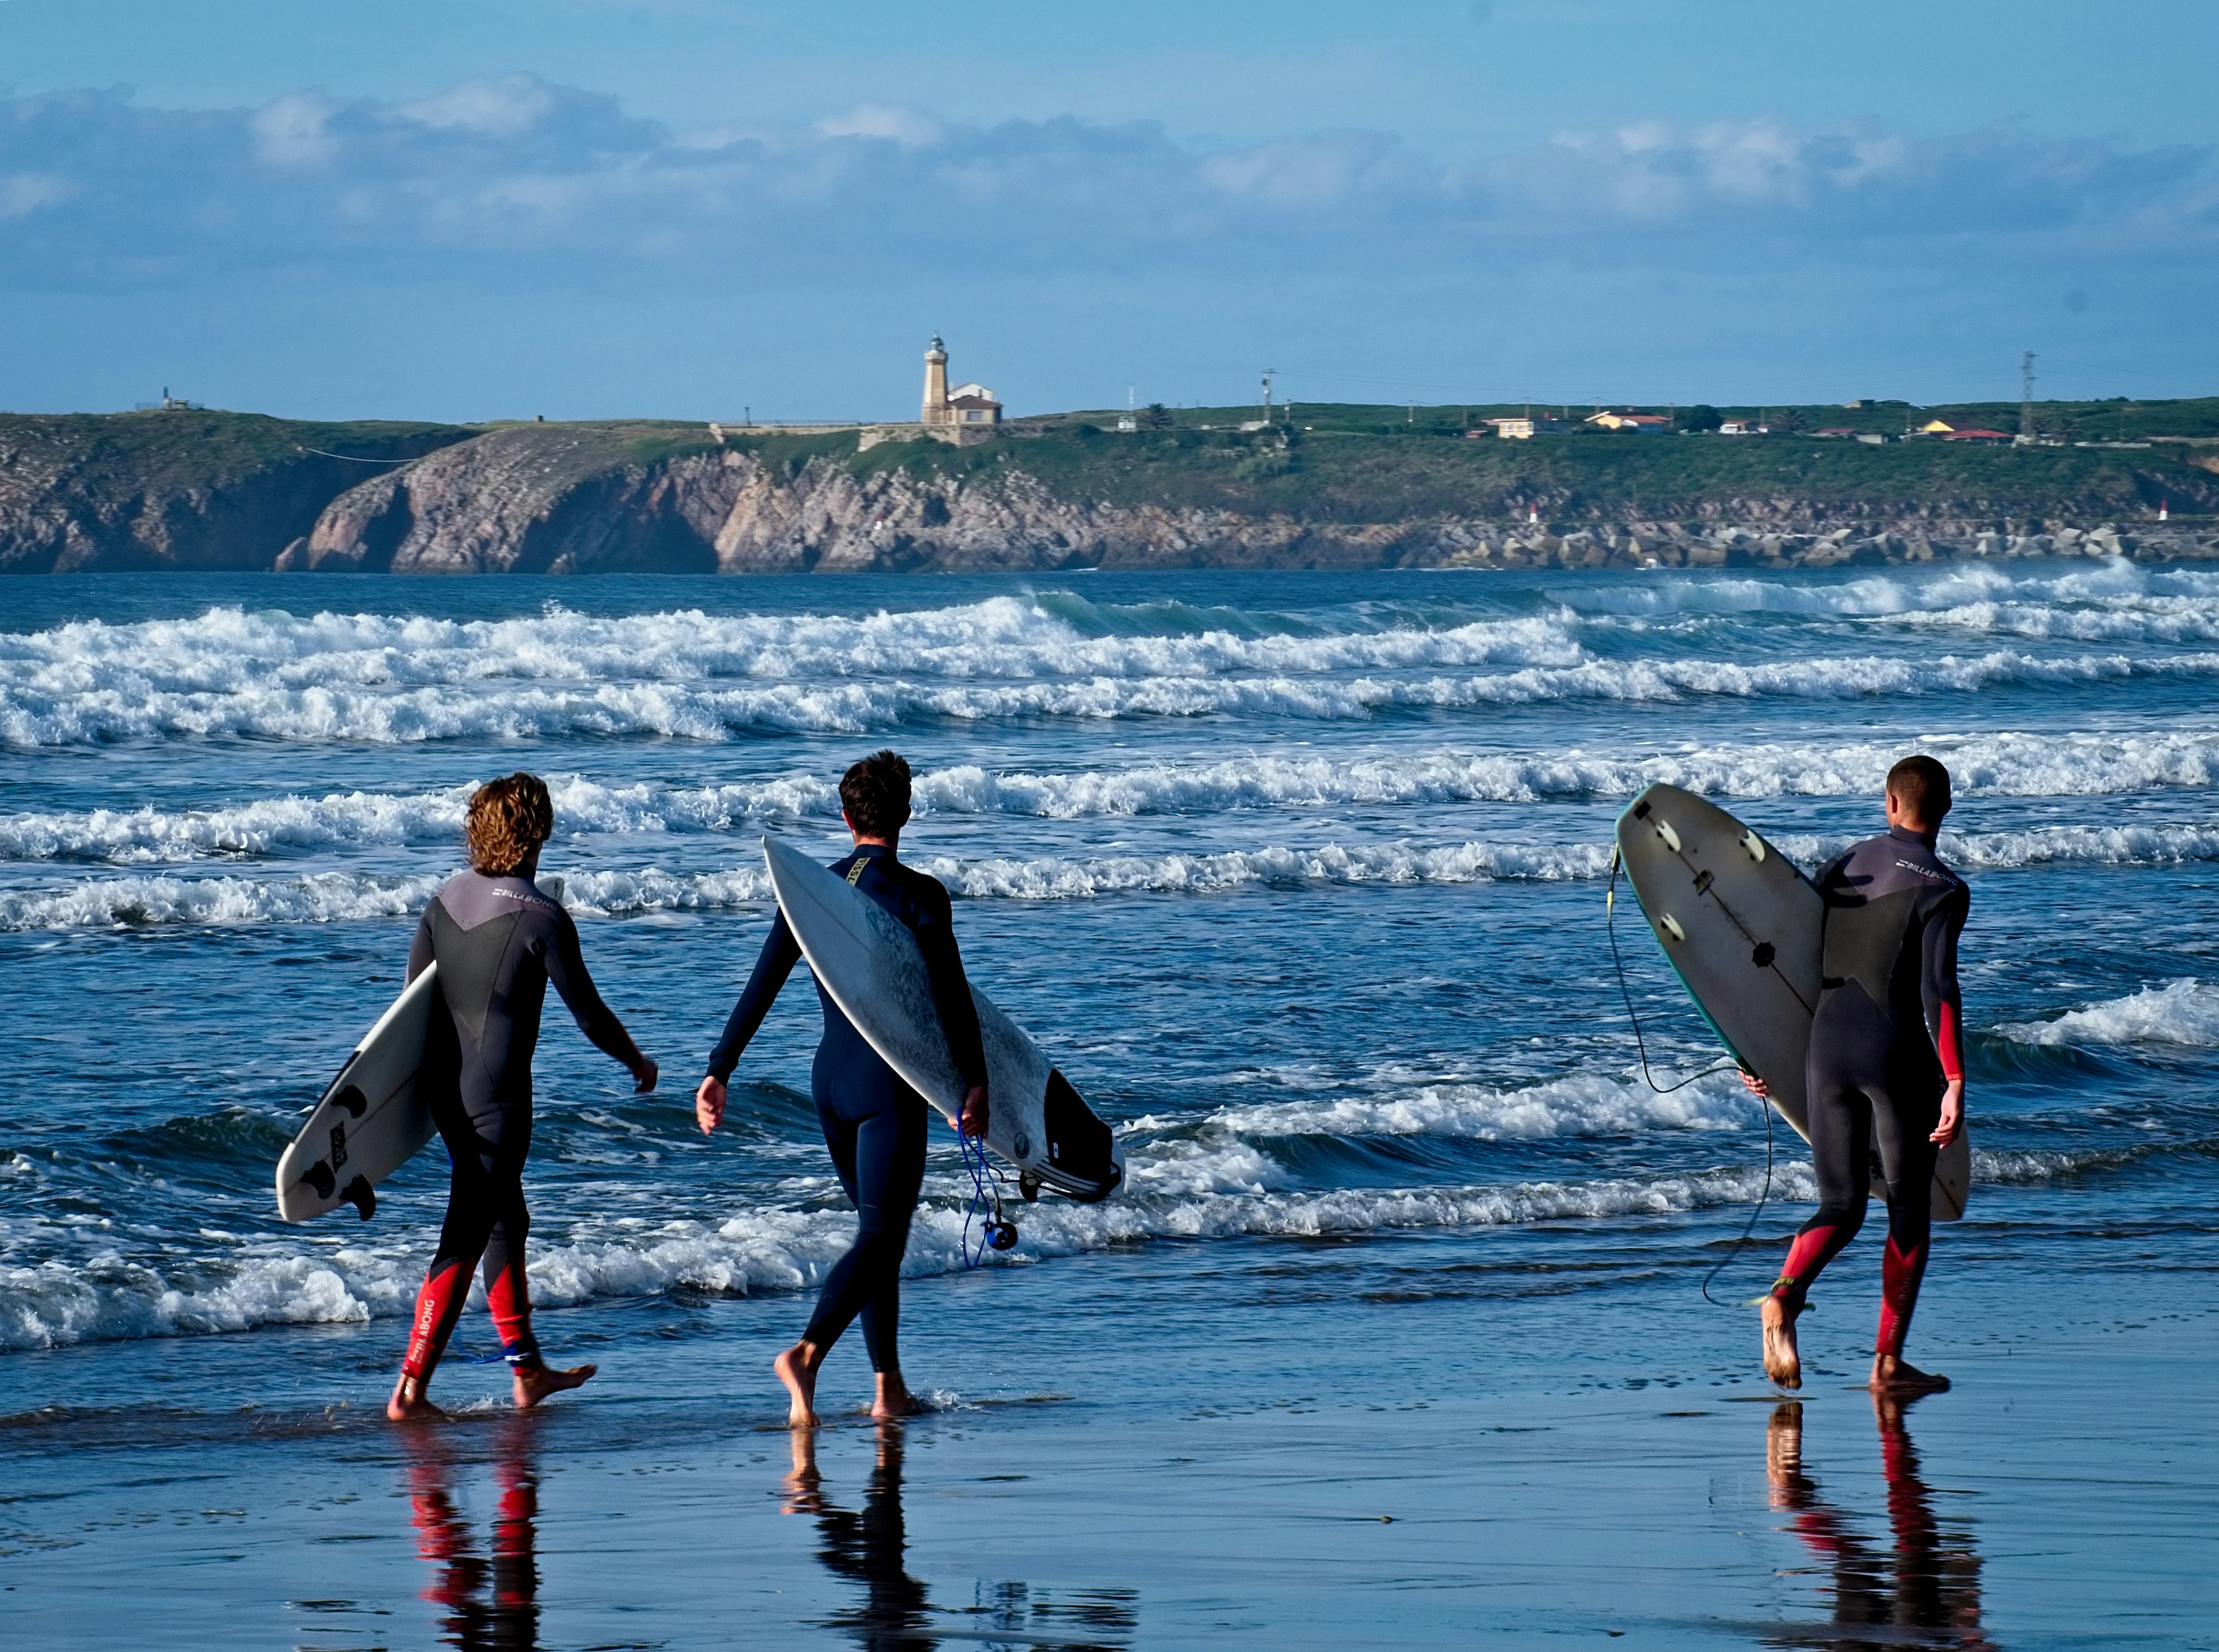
{"x":1900,"y":1273}
{"x":438,"y":1305}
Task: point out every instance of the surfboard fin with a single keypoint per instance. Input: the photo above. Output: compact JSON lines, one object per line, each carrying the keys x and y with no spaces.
{"x":319,"y":1175}
{"x":363,"y":1196}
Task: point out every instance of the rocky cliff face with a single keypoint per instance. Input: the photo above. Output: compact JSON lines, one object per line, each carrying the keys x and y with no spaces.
{"x":555,"y":498}
{"x":526,"y":501}
{"x":214,"y":491}
{"x":181,"y":489}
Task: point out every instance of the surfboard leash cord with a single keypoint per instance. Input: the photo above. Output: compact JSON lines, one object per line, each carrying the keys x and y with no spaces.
{"x":1610,"y":926}
{"x":996,"y":1233}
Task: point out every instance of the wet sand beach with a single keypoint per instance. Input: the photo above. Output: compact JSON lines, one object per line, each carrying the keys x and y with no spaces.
{"x":1337,"y":1446}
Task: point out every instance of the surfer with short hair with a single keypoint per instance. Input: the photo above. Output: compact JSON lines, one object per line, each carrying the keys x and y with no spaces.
{"x":874,"y":1124}
{"x":499,"y":941}
{"x":1887,"y":1066}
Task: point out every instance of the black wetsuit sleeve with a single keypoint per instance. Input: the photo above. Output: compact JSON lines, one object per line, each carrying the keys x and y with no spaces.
{"x":566,"y":970}
{"x":780,"y":953}
{"x":419,"y":946}
{"x":1937,"y":979}
{"x":951,"y":993}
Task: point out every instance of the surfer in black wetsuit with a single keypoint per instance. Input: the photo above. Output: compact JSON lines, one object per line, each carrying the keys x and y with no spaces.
{"x":873,"y":1123}
{"x":498,"y":942}
{"x":1886,"y":1067}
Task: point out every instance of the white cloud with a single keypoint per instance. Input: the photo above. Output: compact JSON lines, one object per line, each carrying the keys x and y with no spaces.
{"x":907,"y":126}
{"x":507,"y":107}
{"x":295,"y":131}
{"x":516,"y":180}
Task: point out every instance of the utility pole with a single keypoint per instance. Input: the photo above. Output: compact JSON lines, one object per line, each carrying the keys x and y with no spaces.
{"x":2026,"y":399}
{"x":1267,"y":393}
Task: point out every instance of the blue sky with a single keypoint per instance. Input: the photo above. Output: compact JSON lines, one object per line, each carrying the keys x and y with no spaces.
{"x":580,"y":208}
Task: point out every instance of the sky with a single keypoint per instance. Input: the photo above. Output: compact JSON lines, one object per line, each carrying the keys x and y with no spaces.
{"x":723,"y":208}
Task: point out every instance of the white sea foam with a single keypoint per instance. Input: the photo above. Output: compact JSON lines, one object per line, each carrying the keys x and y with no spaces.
{"x":1188,"y":1194}
{"x":1901,"y":593}
{"x":386,"y":679}
{"x":1409,"y":1104}
{"x":326,"y":897}
{"x":1180,"y":1189}
{"x":337,"y":897}
{"x":2183,"y":1012}
{"x":2000,"y":765}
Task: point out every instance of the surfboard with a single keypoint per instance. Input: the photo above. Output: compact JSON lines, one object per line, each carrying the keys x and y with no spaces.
{"x":370,"y":1120}
{"x":1743,"y":928}
{"x":870,"y":963}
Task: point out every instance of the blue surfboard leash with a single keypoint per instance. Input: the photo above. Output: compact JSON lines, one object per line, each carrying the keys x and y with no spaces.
{"x":1610,"y":926}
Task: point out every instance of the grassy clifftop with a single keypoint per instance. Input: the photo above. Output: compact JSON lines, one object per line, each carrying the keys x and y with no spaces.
{"x":180,"y":488}
{"x":1346,"y":464}
{"x":211,"y":490}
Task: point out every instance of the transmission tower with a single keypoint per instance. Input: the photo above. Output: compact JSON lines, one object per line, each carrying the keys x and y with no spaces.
{"x":1268,"y":372}
{"x":2026,"y":399}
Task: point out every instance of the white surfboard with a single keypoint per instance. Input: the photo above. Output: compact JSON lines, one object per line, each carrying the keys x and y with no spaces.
{"x":370,"y":1120}
{"x":1745,"y":929}
{"x":870,"y":963}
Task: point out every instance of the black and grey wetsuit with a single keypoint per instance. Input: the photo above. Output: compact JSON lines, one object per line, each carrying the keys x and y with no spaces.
{"x":873,"y":1123}
{"x":499,"y":942}
{"x":1887,"y":1038}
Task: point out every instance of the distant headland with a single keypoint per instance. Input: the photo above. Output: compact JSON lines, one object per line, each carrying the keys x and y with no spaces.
{"x":1316,"y":485}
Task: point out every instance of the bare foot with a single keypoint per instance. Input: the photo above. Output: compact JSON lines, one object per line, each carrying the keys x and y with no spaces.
{"x":531,"y":1384}
{"x":1783,"y":1364}
{"x":895,"y":1400}
{"x":797,"y":1369}
{"x":408,"y":1404}
{"x":1893,"y":1374}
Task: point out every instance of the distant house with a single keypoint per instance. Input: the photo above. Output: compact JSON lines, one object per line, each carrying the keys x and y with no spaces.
{"x":1873,"y":438}
{"x":1983,"y":437}
{"x":1744,"y":427}
{"x":1639,"y":423}
{"x":1523,"y":429}
{"x":1838,"y":432}
{"x":1935,"y":427}
{"x":973,"y":404}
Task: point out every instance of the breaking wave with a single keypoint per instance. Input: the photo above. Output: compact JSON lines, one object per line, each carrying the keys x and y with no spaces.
{"x":338,"y":897}
{"x":2003,"y":764}
{"x":2183,"y":1012}
{"x":390,"y":679}
{"x":1178,"y":1191}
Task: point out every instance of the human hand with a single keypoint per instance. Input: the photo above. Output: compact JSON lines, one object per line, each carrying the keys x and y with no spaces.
{"x":709,"y":1104}
{"x":645,"y":1075}
{"x":975,"y":1113}
{"x":1754,"y":1085}
{"x":1953,"y":1115}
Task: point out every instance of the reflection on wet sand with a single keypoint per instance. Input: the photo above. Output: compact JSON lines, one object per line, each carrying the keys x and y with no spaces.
{"x":491,"y":1606}
{"x":1926,"y":1592}
{"x":896,"y":1609}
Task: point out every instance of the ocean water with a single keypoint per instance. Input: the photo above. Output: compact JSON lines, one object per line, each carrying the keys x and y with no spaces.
{"x":1299,"y":877}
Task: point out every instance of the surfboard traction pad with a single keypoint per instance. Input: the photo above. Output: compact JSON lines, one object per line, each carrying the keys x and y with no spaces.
{"x":1076,"y":1154}
{"x":1747,"y":948}
{"x":352,"y":1140}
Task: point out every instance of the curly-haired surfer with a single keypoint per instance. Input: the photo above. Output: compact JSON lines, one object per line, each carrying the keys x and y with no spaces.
{"x":499,"y":940}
